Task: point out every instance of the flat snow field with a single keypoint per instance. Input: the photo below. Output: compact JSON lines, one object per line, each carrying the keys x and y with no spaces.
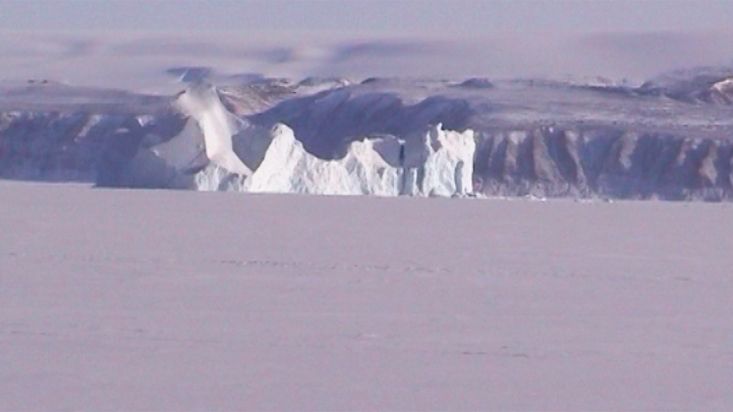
{"x":164,"y":300}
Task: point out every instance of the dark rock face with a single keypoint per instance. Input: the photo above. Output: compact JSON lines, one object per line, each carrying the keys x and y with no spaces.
{"x":77,"y":146}
{"x":327,"y":122}
{"x":606,"y":163}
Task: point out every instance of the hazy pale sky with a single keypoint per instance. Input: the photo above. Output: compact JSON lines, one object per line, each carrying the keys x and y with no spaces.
{"x":452,"y":17}
{"x":134,"y":42}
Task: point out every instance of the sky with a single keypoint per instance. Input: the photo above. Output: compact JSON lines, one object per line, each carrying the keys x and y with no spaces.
{"x":132,"y":43}
{"x":452,"y":17}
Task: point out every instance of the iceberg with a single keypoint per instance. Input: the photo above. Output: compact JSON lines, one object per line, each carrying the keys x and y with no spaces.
{"x":441,"y":163}
{"x":242,"y":157}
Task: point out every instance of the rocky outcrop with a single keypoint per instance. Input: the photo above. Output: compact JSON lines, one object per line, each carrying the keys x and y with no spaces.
{"x":607,"y":163}
{"x":78,"y":146}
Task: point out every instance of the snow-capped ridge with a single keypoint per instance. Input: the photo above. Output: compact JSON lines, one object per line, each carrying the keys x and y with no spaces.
{"x":724,"y":86}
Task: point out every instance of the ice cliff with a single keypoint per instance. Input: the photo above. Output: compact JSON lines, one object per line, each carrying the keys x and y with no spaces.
{"x":671,"y":138}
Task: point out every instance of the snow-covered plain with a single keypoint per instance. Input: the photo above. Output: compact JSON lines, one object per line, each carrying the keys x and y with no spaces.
{"x":174,"y":300}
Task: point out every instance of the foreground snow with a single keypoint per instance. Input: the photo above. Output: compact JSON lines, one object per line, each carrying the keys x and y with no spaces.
{"x":148,"y":300}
